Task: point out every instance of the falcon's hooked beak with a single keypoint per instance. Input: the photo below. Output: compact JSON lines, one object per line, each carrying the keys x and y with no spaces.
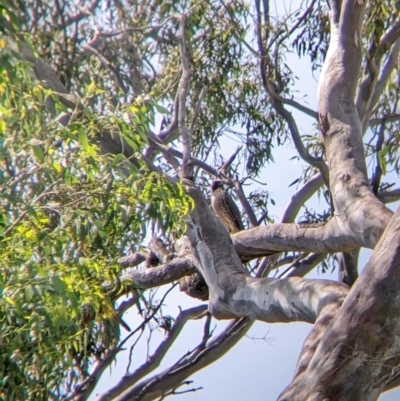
{"x":216,"y":185}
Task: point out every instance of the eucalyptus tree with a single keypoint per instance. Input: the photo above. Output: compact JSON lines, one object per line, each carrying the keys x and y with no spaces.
{"x":113,"y":115}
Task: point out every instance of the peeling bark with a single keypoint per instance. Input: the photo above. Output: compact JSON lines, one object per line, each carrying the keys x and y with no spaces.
{"x":162,"y":274}
{"x":358,"y":353}
{"x":233,"y":293}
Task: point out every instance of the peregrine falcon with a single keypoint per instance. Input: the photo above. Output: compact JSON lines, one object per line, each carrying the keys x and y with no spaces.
{"x":225,"y":208}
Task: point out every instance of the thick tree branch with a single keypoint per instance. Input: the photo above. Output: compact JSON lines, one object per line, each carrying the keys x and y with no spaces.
{"x":300,"y":197}
{"x":200,"y":357}
{"x":362,"y":337}
{"x":162,"y":274}
{"x":132,"y":260}
{"x":389,"y":196}
{"x":183,"y":91}
{"x":220,"y":266}
{"x":348,"y":267}
{"x":155,"y":359}
{"x":328,"y":238}
{"x":298,"y":143}
{"x":341,"y":126}
{"x":388,"y":118}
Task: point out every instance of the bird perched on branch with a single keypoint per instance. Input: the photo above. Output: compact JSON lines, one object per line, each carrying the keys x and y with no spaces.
{"x":225,"y":208}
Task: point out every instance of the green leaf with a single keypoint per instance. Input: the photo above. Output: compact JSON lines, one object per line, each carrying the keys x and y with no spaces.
{"x":83,"y":138}
{"x":131,"y":143}
{"x":161,"y":109}
{"x":31,"y":211}
{"x":118,"y":159}
{"x":29,"y":292}
{"x":59,"y":285}
{"x":37,"y":150}
{"x":382,"y":158}
{"x":11,"y":198}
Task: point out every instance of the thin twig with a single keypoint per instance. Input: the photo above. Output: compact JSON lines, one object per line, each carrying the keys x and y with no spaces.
{"x":245,"y":203}
{"x":45,"y":192}
{"x":227,"y":164}
{"x":108,"y":65}
{"x":197,"y":108}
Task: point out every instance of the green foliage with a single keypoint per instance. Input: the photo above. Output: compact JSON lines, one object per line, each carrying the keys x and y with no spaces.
{"x":67,"y":213}
{"x":312,"y":40}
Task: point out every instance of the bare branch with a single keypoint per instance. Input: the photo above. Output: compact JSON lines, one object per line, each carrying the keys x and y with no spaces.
{"x":154,"y":360}
{"x":348,"y":267}
{"x":167,"y":150}
{"x":371,"y":86}
{"x":262,"y":217}
{"x":377,"y":175}
{"x":278,"y":106}
{"x":162,"y":274}
{"x":389,"y":118}
{"x":386,"y":71}
{"x":300,"y":197}
{"x":183,"y":90}
{"x":171,"y":133}
{"x":155,"y":387}
{"x":389,"y":196}
{"x":342,"y":129}
{"x":290,"y":102}
{"x":108,"y":65}
{"x":197,"y":108}
{"x":298,"y":143}
{"x":132,"y":260}
{"x":83,"y":12}
{"x":265,"y":240}
{"x":245,"y":204}
{"x":303,"y":266}
{"x":83,"y":391}
{"x":356,"y":330}
{"x":128,"y":303}
{"x":227,"y":164}
{"x":335,"y":6}
{"x":222,"y":270}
